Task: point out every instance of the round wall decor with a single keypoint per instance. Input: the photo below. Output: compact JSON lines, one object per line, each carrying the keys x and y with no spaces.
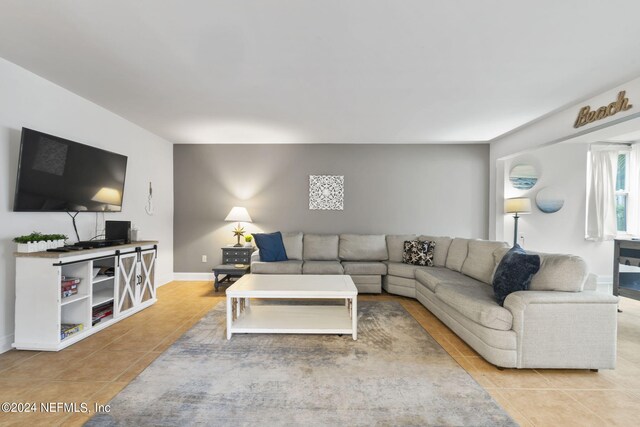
{"x":549,"y":200}
{"x":523,"y":177}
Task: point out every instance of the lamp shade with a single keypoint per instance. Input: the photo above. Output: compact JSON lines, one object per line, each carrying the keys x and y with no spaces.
{"x":521,"y":205}
{"x":110,"y":196}
{"x":238,"y":214}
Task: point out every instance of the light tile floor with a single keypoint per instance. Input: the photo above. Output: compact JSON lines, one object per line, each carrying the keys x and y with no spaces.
{"x":97,"y":368}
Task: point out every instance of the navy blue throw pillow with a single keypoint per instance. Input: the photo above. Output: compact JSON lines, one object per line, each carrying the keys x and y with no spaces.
{"x":514,"y":272}
{"x":271,"y":246}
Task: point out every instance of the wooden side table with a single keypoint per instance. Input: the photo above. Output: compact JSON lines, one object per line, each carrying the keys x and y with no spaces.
{"x":232,"y":256}
{"x":237,"y":255}
{"x":229,"y":271}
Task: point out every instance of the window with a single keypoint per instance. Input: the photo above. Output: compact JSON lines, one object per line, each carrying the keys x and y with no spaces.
{"x":622,"y":192}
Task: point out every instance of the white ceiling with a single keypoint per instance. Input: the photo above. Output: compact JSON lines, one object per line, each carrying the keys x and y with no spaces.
{"x":627,"y":137}
{"x":212,"y":71}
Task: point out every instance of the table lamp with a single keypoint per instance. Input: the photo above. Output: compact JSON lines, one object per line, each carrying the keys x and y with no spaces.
{"x":517,"y":205}
{"x":238,"y":214}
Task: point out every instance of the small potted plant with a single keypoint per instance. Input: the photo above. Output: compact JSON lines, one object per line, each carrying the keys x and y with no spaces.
{"x":247,"y":240}
{"x":37,"y":241}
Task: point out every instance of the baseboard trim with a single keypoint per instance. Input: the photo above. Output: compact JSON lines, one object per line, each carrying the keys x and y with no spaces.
{"x":165,"y":280}
{"x":604,"y":280}
{"x":5,"y":343}
{"x":185,"y":277}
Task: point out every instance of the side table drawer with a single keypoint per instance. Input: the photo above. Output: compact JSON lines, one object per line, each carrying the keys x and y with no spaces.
{"x":236,"y":260}
{"x":235,"y":255}
{"x":234,"y":252}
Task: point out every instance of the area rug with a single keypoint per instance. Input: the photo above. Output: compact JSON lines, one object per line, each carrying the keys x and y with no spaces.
{"x":394,"y":374}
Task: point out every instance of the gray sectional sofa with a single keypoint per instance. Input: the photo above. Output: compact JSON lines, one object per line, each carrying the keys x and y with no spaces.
{"x":360,"y":256}
{"x":561,"y":322}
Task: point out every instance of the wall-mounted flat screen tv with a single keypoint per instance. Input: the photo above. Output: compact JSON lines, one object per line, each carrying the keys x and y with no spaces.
{"x":58,"y":175}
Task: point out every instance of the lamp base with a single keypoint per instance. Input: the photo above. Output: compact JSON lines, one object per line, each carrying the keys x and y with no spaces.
{"x":237,"y":245}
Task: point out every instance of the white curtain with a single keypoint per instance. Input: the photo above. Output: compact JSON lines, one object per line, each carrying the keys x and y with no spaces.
{"x":633,"y":209}
{"x":601,"y":199}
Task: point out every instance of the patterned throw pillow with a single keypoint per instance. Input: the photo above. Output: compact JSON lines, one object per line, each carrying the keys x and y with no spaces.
{"x":418,"y":252}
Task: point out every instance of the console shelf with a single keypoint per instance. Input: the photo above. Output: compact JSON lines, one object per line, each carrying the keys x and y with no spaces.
{"x":43,"y":318}
{"x":73,"y":298}
{"x":102,"y":296}
{"x":99,"y":279}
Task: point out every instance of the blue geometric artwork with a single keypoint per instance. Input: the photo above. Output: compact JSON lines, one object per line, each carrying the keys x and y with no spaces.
{"x":549,"y":200}
{"x":523,"y":177}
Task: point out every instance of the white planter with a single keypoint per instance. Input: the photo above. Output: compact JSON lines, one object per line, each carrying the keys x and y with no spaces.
{"x":28,"y":247}
{"x":248,"y":245}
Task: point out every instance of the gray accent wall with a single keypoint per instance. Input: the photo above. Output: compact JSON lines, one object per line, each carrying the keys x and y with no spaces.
{"x":389,"y":189}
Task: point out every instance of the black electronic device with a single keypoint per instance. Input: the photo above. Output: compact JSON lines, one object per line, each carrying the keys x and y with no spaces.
{"x":118,"y":230}
{"x":93,"y":244}
{"x":58,"y":175}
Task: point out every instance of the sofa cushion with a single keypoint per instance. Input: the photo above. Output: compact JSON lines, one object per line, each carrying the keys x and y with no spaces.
{"x":293,"y":245}
{"x":418,"y":252}
{"x":271,"y":247}
{"x":363,"y":247}
{"x":559,"y":272}
{"x":354,"y":267}
{"x":395,"y":245}
{"x":431,"y":277}
{"x":480,"y":262}
{"x":457,"y":254}
{"x":320,"y":247}
{"x":400,"y":269}
{"x":440,"y":250}
{"x":477,"y":303}
{"x":514,"y":273}
{"x":281,"y":267}
{"x":322,"y":267}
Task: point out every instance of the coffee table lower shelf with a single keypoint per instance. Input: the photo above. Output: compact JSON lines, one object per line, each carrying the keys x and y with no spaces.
{"x":292,"y":319}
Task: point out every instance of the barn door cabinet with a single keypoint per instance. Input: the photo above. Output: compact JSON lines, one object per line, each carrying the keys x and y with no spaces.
{"x":62,"y":298}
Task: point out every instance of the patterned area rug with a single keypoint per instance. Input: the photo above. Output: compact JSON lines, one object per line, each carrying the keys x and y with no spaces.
{"x":394,"y":374}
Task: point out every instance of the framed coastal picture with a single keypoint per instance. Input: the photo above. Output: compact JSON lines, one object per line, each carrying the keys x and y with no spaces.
{"x":523,"y":177}
{"x":549,"y":200}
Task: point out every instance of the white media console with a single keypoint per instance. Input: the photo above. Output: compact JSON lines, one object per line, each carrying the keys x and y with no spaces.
{"x":41,"y":310}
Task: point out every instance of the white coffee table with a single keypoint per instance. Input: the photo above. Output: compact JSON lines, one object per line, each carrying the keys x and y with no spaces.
{"x":242,"y":317}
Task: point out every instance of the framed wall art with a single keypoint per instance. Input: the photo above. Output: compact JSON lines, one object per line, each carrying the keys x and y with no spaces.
{"x":326,"y":192}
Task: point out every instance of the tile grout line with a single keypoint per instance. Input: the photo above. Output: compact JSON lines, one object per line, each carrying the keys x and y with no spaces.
{"x":517,"y":411}
{"x":585,"y":407}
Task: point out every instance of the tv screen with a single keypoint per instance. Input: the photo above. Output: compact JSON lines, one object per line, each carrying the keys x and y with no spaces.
{"x":58,"y":175}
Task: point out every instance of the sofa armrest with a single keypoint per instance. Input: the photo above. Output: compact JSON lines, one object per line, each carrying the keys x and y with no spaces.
{"x":591,"y":284}
{"x":519,"y":300}
{"x":255,"y":256}
{"x":564,"y":329}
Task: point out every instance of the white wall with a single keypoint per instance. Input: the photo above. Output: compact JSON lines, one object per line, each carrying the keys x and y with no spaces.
{"x":557,"y":127}
{"x":563,"y":167}
{"x":30,"y":101}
